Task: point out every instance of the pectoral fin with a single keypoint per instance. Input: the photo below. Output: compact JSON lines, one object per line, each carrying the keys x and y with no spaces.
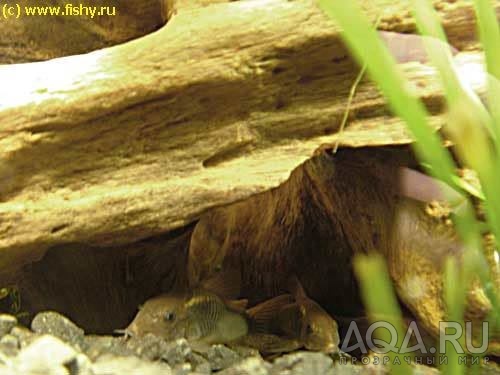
{"x":225,"y":283}
{"x":268,"y":343}
{"x":238,"y":306}
{"x":261,"y":316}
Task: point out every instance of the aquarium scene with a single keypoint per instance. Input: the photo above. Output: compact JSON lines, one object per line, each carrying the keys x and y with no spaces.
{"x":249,"y":187}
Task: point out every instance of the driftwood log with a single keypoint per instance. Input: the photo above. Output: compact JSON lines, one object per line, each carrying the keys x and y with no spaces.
{"x":134,"y":140}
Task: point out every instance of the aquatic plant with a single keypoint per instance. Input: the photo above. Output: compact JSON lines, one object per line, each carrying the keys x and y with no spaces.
{"x":474,"y":131}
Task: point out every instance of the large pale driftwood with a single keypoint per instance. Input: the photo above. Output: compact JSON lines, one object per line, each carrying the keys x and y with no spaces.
{"x":223,"y":102}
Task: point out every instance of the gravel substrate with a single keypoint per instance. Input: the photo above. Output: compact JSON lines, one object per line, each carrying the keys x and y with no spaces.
{"x":55,"y":345}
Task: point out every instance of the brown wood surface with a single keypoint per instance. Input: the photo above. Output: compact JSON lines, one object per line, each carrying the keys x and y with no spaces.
{"x":223,"y":102}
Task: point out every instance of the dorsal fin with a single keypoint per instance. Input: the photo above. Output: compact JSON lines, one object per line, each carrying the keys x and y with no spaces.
{"x":178,"y":285}
{"x":296,"y":289}
{"x":239,"y":306}
{"x":262,"y":314}
{"x":225,"y":283}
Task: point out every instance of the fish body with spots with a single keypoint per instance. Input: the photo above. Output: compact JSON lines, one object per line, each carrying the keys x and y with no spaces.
{"x":201,"y":317}
{"x":281,"y":324}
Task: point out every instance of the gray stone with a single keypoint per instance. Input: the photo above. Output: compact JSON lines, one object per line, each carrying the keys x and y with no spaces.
{"x":24,"y":336}
{"x":199,"y":364}
{"x":183,"y":369}
{"x":177,"y":352}
{"x":9,"y":345}
{"x":341,"y":356}
{"x":79,"y":365}
{"x":46,"y":355}
{"x":4,"y":370}
{"x":426,"y":370}
{"x":303,"y":363}
{"x":7,"y":322}
{"x":348,"y":368}
{"x":249,"y":366}
{"x":245,"y":351}
{"x":96,"y":346}
{"x":488,"y":368}
{"x":221,"y":357}
{"x":50,"y":322}
{"x":115,"y":365}
{"x":4,"y":359}
{"x":149,"y":347}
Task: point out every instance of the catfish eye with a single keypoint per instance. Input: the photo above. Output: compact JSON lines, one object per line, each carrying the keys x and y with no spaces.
{"x":169,"y":316}
{"x":310,"y":329}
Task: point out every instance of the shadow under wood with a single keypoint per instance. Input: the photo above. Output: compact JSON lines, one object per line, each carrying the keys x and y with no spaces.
{"x":311,"y":226}
{"x":100,"y":289}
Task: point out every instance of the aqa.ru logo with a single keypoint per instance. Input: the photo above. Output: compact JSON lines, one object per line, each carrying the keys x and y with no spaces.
{"x":413,"y":342}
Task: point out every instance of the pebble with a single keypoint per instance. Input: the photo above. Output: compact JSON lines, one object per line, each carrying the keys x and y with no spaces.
{"x":221,"y":357}
{"x":50,"y":322}
{"x":303,"y":363}
{"x":96,"y":346}
{"x":24,"y":336}
{"x":80,"y":365}
{"x":7,"y":322}
{"x":249,"y":366}
{"x":182,"y":369}
{"x":200,"y":365}
{"x":46,"y":355}
{"x":57,"y":346}
{"x":114,"y":365}
{"x":9,"y":345}
{"x":176,"y":352}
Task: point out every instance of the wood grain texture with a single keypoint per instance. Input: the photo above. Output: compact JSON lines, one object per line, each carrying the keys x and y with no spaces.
{"x":223,"y":102}
{"x":78,"y":27}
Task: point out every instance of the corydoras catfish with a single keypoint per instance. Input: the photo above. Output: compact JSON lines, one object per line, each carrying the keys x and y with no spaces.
{"x":295,"y":317}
